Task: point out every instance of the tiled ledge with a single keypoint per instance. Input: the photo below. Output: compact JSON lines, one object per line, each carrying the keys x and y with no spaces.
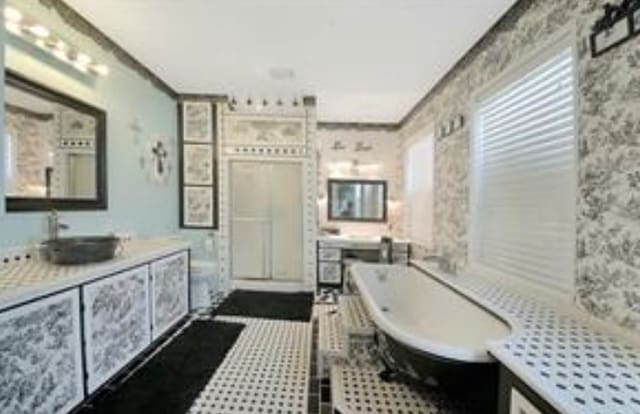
{"x":26,"y":279}
{"x":576,"y":365}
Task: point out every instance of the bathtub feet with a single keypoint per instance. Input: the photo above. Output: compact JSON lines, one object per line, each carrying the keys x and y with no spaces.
{"x":388,"y":375}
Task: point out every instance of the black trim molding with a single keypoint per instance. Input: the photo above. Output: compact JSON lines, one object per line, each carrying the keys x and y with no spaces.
{"x":330,"y":217}
{"x":14,"y":204}
{"x":359,"y":126}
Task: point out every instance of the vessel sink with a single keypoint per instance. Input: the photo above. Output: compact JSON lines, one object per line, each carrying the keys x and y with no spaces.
{"x":80,"y":250}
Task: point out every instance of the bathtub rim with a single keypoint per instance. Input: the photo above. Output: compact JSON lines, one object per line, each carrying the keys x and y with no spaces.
{"x":448,"y":352}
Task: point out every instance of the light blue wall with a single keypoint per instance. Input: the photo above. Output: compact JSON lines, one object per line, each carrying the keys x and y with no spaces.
{"x":135,"y":204}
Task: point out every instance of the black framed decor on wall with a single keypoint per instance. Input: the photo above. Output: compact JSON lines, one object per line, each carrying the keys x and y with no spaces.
{"x":197,"y":121}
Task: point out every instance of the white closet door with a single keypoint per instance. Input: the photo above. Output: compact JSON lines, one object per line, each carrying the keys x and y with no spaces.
{"x":286,"y":225}
{"x":250,"y":220}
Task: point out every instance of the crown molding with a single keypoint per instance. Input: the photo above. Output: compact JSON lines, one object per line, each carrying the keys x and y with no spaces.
{"x":359,"y":126}
{"x":218,"y":98}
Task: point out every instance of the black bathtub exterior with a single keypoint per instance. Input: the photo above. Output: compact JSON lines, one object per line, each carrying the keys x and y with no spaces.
{"x":476,"y":382}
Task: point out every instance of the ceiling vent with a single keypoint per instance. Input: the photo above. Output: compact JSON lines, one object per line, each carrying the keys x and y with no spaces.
{"x":282,"y":74}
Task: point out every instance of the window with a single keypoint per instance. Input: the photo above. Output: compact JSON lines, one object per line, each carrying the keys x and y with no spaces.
{"x":10,"y":161}
{"x":419,"y":191}
{"x":524,"y":174}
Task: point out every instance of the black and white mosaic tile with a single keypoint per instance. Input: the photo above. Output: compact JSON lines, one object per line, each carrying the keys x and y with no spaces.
{"x":266,"y":371}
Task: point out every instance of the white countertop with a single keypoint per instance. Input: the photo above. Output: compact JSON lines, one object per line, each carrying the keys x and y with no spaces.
{"x":26,"y":280}
{"x":347,"y":240}
{"x":578,"y":367}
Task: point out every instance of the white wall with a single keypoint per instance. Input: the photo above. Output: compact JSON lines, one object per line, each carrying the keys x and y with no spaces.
{"x":380,"y":159}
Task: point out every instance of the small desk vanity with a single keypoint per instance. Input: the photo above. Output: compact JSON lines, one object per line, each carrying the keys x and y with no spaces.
{"x":336,"y":251}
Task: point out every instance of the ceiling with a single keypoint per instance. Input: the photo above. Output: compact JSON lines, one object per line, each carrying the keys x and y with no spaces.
{"x":365,"y":60}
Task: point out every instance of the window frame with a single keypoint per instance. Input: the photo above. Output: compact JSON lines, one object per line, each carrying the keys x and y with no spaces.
{"x":427,"y":132}
{"x":566,"y":39}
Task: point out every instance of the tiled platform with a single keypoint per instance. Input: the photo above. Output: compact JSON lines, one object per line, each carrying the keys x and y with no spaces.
{"x":570,"y":362}
{"x":356,"y":388}
{"x":266,"y":371}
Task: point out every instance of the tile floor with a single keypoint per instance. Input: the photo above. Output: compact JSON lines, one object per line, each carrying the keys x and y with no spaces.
{"x":272,"y":369}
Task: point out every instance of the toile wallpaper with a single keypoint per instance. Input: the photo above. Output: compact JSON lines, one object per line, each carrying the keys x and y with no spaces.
{"x":116,"y":323}
{"x":170,"y":292}
{"x":40,"y":356}
{"x":608,"y":205}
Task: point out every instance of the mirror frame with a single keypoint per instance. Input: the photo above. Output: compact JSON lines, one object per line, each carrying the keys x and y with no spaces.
{"x":17,"y":204}
{"x":356,"y":181}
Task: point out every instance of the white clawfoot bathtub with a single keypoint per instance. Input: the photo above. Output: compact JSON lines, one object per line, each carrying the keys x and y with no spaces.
{"x":431,"y":333}
{"x":426,"y":315}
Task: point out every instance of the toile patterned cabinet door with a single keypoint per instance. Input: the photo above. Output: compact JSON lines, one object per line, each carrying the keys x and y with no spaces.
{"x":116,"y":323}
{"x":169,"y":292}
{"x":41,"y":356}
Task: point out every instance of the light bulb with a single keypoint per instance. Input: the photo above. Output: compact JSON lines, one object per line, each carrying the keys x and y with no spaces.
{"x":61,"y":54}
{"x":101,"y":69}
{"x":12,"y":15}
{"x":82,"y":68}
{"x":13,"y":27}
{"x":39,"y":31}
{"x":83,"y":58}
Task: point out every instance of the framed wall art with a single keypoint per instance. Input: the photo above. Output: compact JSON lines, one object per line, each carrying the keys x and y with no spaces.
{"x":198,"y":164}
{"x":197,"y":121}
{"x":198,"y":207}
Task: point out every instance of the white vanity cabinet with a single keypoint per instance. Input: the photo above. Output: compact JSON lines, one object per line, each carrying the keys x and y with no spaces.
{"x":41,"y":355}
{"x":169,"y":292}
{"x":116,"y":323}
{"x":65,"y":331}
{"x":335,"y":251}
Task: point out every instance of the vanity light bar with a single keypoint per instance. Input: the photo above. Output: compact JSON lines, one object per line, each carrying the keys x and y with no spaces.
{"x":17,"y":24}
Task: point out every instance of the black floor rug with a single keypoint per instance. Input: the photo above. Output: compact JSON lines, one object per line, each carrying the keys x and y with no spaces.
{"x":270,"y":305}
{"x":173,"y":378}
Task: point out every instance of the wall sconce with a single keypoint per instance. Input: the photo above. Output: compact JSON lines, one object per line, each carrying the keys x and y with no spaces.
{"x":39,"y":35}
{"x":450,"y":126}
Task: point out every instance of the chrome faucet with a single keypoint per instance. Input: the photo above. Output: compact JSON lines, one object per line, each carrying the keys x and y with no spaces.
{"x":54,"y":225}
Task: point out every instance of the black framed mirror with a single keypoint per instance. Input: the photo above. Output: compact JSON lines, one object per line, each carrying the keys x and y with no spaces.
{"x":55,"y":147}
{"x":357,"y":200}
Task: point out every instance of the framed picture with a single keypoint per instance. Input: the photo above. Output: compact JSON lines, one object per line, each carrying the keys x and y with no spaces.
{"x":198,"y":207}
{"x":198,"y":164}
{"x":264,"y":130}
{"x":603,"y":40}
{"x":197,"y":122}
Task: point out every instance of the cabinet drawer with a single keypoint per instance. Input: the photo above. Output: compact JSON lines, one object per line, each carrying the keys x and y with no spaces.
{"x":330,"y":272}
{"x":329,"y":254}
{"x":520,"y":405}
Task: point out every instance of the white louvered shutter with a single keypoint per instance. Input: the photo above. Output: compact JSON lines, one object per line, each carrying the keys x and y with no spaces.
{"x":524,"y":166}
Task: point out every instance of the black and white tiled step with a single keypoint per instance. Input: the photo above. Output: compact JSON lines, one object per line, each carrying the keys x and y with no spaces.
{"x":354,"y":316}
{"x":331,"y":341}
{"x":357,"y":388}
{"x":345,"y":331}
